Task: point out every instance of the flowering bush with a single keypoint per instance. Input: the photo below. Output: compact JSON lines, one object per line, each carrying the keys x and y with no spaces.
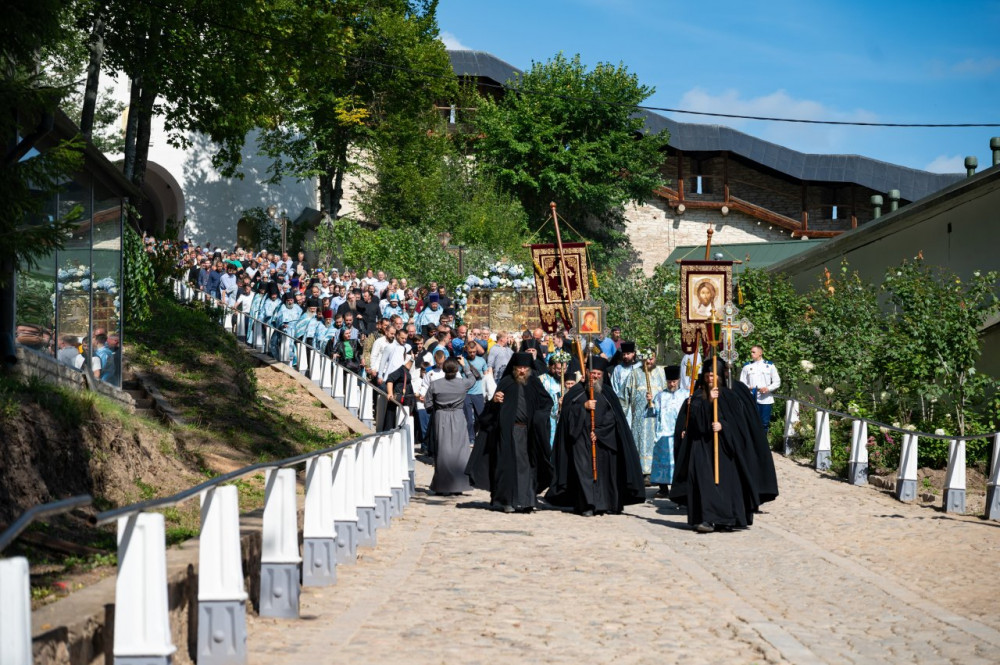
{"x":500,"y":276}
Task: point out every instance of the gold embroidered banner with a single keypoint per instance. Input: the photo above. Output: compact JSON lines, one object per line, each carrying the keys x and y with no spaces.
{"x":706,"y":286}
{"x":552,"y":304}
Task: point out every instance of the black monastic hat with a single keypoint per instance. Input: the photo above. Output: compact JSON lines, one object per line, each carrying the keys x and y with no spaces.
{"x":673,"y":372}
{"x":628,"y":347}
{"x":521,"y":360}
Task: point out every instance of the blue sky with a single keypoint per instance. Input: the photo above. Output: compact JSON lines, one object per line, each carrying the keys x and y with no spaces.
{"x":883,"y":61}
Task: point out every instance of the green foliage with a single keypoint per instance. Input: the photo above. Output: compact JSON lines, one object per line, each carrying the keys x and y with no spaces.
{"x":643,"y":306}
{"x":139,"y":280}
{"x":547,"y":142}
{"x":388,"y":249}
{"x":263,"y":231}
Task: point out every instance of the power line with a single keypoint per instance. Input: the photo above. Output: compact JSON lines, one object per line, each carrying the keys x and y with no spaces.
{"x":597,"y":100}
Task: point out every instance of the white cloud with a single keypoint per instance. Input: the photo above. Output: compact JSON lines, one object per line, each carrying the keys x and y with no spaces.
{"x":778,"y":104}
{"x":452,"y":42}
{"x":946,"y":164}
{"x":977,"y":66}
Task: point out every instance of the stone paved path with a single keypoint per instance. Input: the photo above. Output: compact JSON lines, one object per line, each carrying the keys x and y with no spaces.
{"x":830,"y":574}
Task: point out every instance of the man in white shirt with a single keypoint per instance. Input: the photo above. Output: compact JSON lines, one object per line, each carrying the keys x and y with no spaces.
{"x":378,"y":349}
{"x":761,"y":377}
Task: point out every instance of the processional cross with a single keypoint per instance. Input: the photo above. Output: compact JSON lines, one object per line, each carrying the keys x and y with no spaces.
{"x":731,"y":326}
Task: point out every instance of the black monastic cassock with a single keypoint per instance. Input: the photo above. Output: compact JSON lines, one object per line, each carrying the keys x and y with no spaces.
{"x":746,"y":473}
{"x":511,"y":454}
{"x":619,"y":471}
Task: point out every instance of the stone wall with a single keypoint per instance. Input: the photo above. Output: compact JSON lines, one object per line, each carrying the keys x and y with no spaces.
{"x":32,"y":363}
{"x":656,"y":230}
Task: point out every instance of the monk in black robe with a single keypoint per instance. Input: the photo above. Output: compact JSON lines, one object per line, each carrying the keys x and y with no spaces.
{"x":619,"y":473}
{"x":746,"y":477}
{"x":511,"y":454}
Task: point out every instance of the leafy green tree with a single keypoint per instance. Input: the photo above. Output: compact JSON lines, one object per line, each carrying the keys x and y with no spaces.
{"x":572,"y":136}
{"x":388,"y":63}
{"x":644,"y":307}
{"x":933,"y":345}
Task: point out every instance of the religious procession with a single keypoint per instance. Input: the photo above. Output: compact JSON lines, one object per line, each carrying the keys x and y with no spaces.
{"x":569,"y":415}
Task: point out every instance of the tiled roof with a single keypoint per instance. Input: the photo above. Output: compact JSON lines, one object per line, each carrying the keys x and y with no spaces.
{"x":880,"y":176}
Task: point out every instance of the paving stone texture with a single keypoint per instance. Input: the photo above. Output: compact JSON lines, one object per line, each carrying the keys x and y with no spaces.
{"x":830,"y":573}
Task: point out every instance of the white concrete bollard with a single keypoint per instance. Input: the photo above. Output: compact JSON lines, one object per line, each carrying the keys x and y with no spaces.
{"x":906,"y":479}
{"x":396,"y":491}
{"x":317,"y":364}
{"x":954,"y":486}
{"x":326,"y":378}
{"x":15,"y":612}
{"x":822,"y":440}
{"x":260,"y":336}
{"x":222,"y":620}
{"x":993,"y":485}
{"x":381,"y":404}
{"x":286,"y":349}
{"x":279,"y":560}
{"x":345,"y":505}
{"x":383,"y":493}
{"x":791,"y":417}
{"x":142,"y":615}
{"x":352,"y":394}
{"x":241,"y":325}
{"x":411,"y":458}
{"x":857,"y":467}
{"x":366,"y":410}
{"x":301,"y":357}
{"x":319,"y":546}
{"x":337,"y":381}
{"x":365,"y":486}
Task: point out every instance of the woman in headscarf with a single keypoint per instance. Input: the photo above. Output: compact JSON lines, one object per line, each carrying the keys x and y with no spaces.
{"x":445,"y":399}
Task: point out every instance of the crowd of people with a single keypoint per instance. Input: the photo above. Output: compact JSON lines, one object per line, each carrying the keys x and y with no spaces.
{"x":589,"y":425}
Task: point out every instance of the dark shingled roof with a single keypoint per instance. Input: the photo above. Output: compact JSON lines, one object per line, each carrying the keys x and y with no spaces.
{"x":880,"y":176}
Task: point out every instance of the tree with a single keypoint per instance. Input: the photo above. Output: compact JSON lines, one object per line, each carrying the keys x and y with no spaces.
{"x":388,"y":64}
{"x":643,"y":306}
{"x":572,"y":136}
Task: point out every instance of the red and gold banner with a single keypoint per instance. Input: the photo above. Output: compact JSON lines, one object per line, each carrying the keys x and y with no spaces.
{"x":706,"y":286}
{"x":553,"y":307}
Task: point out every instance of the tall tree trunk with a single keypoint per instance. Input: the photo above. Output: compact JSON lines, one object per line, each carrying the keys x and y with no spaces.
{"x":93,"y":77}
{"x":132,"y":126}
{"x":143,"y":134}
{"x":325,"y":192}
{"x":337,"y":193}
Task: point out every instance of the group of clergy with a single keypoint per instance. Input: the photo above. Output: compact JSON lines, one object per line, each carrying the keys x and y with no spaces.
{"x":594,"y":440}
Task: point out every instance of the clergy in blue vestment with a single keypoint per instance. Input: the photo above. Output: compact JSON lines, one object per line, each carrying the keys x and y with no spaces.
{"x":621,"y":375}
{"x":553,"y":386}
{"x":667,"y":404}
{"x":284,"y":319}
{"x":642,"y":384}
{"x":431,"y":315}
{"x":255,"y":308}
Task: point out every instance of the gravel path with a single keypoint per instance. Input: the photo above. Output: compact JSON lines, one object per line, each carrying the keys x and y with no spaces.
{"x":830,"y":573}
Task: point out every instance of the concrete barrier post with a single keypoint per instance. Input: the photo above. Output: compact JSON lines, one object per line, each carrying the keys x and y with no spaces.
{"x":365,"y":464}
{"x":822,"y":440}
{"x":317,"y":362}
{"x":345,"y":505}
{"x":319,"y":547}
{"x":142,"y":616}
{"x":906,"y":479}
{"x":15,"y":612}
{"x":326,"y":376}
{"x":791,"y":417}
{"x":301,"y":357}
{"x":222,"y":620}
{"x":383,"y":495}
{"x":954,"y":486}
{"x":352,"y":394}
{"x":857,"y":468}
{"x":241,"y":325}
{"x":337,"y":383}
{"x":397,"y":500}
{"x":993,"y":485}
{"x":411,"y":458}
{"x":366,"y":410}
{"x":280,"y":561}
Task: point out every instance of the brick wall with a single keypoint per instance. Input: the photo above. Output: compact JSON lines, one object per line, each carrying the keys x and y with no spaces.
{"x":656,"y":230}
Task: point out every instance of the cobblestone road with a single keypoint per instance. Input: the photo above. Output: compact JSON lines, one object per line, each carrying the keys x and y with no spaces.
{"x":830,"y":574}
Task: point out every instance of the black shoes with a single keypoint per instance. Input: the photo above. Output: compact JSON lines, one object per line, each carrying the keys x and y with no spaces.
{"x":704,"y":527}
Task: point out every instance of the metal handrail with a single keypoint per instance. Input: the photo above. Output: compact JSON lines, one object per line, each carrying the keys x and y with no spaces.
{"x":219,"y":304}
{"x":174,"y":499}
{"x":43,"y":510}
{"x":922,"y":435}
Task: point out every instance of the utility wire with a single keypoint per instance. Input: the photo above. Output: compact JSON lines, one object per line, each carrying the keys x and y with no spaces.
{"x":591,"y":100}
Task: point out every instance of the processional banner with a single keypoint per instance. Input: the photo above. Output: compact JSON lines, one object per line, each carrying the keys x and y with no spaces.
{"x":553,"y":306}
{"x":706,"y":286}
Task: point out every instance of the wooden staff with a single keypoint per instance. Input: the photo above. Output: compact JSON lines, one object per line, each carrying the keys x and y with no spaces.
{"x":564,"y":279}
{"x":693,"y":376}
{"x":590,"y":383}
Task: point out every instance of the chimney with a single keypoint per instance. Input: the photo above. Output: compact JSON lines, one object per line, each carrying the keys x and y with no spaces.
{"x":970,"y":166}
{"x":877,"y":204}
{"x":893,"y":200}
{"x":995,"y":147}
